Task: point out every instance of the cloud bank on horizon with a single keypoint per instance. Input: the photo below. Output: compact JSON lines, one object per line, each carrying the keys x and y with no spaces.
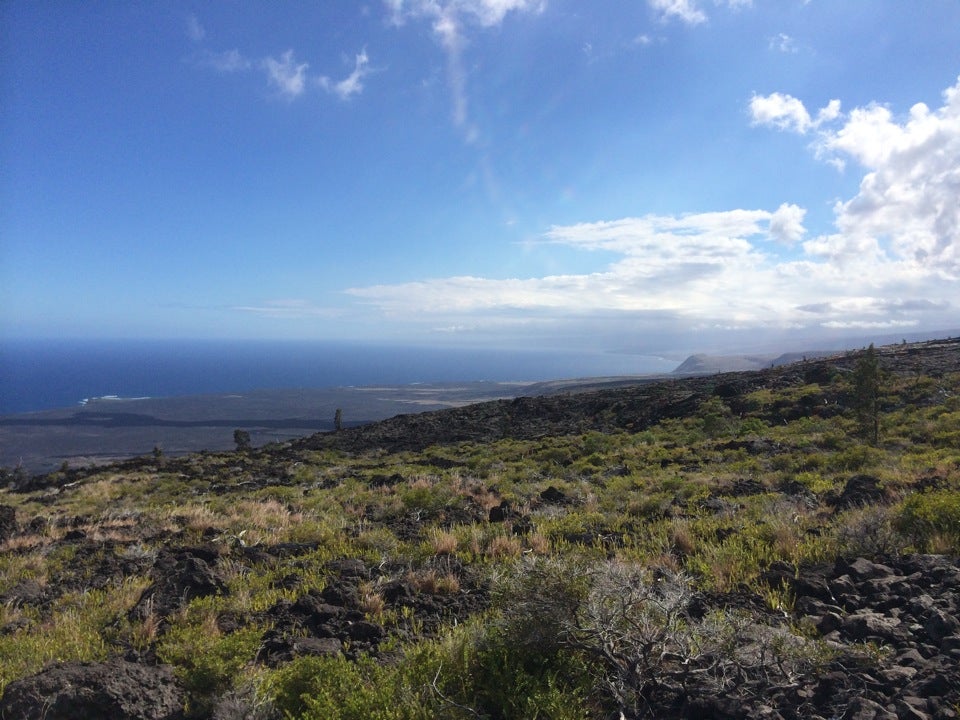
{"x":506,"y":171}
{"x":894,"y":258}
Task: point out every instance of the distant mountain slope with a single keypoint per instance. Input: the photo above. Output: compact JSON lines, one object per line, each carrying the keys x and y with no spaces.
{"x":704,"y":364}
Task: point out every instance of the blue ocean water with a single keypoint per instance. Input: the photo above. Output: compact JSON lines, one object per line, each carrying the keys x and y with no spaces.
{"x":44,"y":374}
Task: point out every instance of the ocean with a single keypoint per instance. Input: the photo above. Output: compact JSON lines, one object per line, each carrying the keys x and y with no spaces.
{"x":46,"y":374}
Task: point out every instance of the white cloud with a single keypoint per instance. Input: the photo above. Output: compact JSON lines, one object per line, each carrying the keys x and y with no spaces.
{"x":353,"y":83}
{"x":664,"y":259}
{"x":446,"y":26}
{"x":684,"y":10}
{"x":907,"y":205}
{"x":487,"y":13}
{"x":784,"y":112}
{"x":784,"y":43}
{"x":893,"y":260}
{"x":286,"y":75}
{"x":829,"y":113}
{"x":449,"y":20}
{"x":869,"y":324}
{"x":689,"y":11}
{"x":289,"y":77}
{"x":786,"y":224}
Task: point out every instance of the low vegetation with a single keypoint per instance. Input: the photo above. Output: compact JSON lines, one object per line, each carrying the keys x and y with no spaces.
{"x":622,"y":572}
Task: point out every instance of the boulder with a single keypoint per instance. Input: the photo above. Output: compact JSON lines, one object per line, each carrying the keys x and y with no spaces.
{"x":860,"y":490}
{"x":180,"y":575}
{"x":117,"y":689}
{"x":940,"y":625}
{"x":553,"y":495}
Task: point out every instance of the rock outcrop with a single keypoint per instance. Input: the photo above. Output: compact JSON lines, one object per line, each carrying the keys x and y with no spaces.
{"x":117,"y":689}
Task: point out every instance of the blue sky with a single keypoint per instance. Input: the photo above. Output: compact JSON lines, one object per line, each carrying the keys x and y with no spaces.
{"x":516,"y":173}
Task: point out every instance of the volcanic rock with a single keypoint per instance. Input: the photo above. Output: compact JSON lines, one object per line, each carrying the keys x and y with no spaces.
{"x":118,"y":690}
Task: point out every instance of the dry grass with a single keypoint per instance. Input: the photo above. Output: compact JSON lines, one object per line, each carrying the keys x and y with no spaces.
{"x":443,"y":542}
{"x":503,"y":546}
{"x":538,"y":544}
{"x":195,"y":518}
{"x":145,"y":633}
{"x":114,"y":529}
{"x":265,"y":521}
{"x":372,"y":603}
{"x":682,"y":540}
{"x":31,"y":541}
{"x":433,"y":583}
{"x":664,"y":562}
{"x":422,"y":482}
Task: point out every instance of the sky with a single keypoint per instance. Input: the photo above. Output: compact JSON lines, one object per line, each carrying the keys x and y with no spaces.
{"x":612,"y":174}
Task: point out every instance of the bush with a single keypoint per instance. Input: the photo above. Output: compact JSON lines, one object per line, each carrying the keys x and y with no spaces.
{"x":207,"y":661}
{"x":868,"y":531}
{"x":717,"y":419}
{"x":334,"y":688}
{"x":636,"y":631}
{"x":931,"y":520}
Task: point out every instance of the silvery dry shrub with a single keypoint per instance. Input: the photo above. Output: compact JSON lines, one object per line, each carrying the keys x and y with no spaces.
{"x":648,"y":640}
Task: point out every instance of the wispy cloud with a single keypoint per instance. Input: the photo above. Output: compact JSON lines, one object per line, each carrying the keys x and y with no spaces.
{"x":290,"y":309}
{"x":289,"y":77}
{"x":893,"y":260}
{"x":690,"y":12}
{"x":195,"y":30}
{"x":487,"y":13}
{"x":286,"y":75}
{"x":353,"y":83}
{"x":783,"y":43}
{"x":685,"y":11}
{"x":450,"y":20}
{"x":227,"y":61}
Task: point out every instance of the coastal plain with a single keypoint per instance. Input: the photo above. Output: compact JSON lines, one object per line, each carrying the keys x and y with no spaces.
{"x":106,"y":429}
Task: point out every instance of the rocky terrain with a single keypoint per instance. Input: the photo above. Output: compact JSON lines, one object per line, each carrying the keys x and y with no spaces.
{"x":722,"y":546}
{"x":632,"y":407}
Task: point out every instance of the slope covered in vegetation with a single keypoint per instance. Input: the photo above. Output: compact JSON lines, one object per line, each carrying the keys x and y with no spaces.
{"x":738,"y":545}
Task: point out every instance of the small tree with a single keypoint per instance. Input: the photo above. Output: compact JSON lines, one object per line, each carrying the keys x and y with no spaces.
{"x":338,"y":420}
{"x":866,"y":394}
{"x":242,"y":439}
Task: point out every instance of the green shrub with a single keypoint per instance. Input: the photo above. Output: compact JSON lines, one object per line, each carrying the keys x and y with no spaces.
{"x":753,"y":426}
{"x":83,"y":626}
{"x":931,"y":520}
{"x":855,"y":457}
{"x":334,"y":688}
{"x":717,"y":420}
{"x":517,"y":683}
{"x":207,"y":661}
{"x":426,"y":499}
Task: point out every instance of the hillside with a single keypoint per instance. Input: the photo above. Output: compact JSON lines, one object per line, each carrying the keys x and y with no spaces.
{"x":730,"y":546}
